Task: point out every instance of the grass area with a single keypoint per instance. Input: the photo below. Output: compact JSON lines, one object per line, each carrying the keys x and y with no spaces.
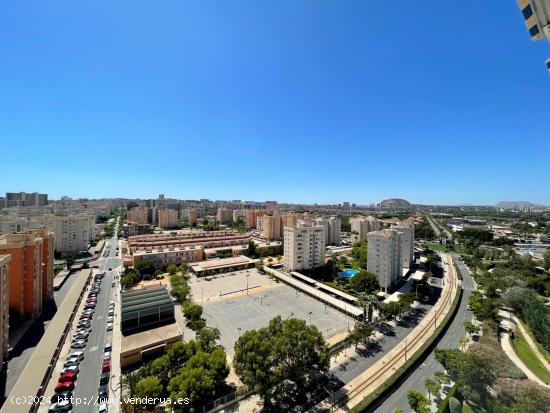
{"x":543,"y":351}
{"x":526,"y":355}
{"x":436,"y":247}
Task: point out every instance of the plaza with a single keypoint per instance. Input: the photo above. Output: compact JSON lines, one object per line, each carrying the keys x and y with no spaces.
{"x":237,"y":312}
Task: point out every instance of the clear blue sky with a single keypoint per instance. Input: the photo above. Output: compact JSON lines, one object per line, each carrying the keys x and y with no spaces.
{"x":300,"y":101}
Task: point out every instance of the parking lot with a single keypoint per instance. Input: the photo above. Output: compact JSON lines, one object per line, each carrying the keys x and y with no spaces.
{"x":236,"y":314}
{"x":231,"y":284}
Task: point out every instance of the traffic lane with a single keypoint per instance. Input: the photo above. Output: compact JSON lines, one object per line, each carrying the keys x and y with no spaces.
{"x":430,"y":365}
{"x":90,"y":368}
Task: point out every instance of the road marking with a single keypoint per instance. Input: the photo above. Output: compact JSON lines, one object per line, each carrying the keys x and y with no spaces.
{"x":94,"y":348}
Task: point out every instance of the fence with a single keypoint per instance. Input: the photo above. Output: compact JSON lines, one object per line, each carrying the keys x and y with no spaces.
{"x":227,"y":400}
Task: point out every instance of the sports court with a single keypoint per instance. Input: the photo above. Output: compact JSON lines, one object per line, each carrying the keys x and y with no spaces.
{"x":238,"y":313}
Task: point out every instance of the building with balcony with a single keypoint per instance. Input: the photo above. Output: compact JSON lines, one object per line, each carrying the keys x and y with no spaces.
{"x":4,"y":306}
{"x":384,"y":258}
{"x":361,"y":226}
{"x":167,"y":218}
{"x":304,"y":246}
{"x":536,"y":14}
{"x":139,"y":215}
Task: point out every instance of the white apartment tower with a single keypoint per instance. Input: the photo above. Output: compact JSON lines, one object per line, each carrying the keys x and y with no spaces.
{"x":361,"y":226}
{"x":304,"y":246}
{"x":384,"y":257}
{"x":406,"y":232}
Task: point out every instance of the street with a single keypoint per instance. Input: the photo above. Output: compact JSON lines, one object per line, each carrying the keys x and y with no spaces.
{"x":430,"y":365}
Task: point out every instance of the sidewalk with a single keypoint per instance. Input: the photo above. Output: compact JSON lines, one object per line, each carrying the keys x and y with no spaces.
{"x":364,"y":384}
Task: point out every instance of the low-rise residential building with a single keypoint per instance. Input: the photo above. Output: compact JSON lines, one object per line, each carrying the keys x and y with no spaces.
{"x":304,"y":246}
{"x":4,"y":306}
{"x":384,"y":258}
{"x":162,"y":257}
{"x":167,"y":218}
{"x":218,"y":265}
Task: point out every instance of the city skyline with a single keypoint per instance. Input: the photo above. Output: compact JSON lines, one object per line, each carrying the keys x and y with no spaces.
{"x":298,"y":102}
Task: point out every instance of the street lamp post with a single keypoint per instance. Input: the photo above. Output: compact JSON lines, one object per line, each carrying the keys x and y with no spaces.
{"x":331,"y":394}
{"x":239,"y":328}
{"x":310,"y":317}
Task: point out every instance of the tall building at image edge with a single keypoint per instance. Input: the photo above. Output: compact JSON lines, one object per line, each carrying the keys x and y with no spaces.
{"x":536,"y":14}
{"x":4,"y":306}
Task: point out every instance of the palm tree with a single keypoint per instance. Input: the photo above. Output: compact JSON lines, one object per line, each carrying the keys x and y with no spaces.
{"x":369,"y":302}
{"x":130,"y":381}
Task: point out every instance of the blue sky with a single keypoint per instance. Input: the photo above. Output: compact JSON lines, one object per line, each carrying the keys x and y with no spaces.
{"x":299,"y":101}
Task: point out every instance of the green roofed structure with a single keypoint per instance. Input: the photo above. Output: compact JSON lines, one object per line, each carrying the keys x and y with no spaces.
{"x":145,"y":309}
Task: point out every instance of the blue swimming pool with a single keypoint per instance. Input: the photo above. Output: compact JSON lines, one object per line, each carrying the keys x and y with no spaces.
{"x":348,"y":273}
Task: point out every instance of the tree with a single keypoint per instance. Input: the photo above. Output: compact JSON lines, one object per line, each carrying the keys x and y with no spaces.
{"x":418,"y":402}
{"x":546,"y":260}
{"x":208,"y":338}
{"x":433,"y":387}
{"x":365,"y":281}
{"x":171,"y":269}
{"x":252,"y":250}
{"x":146,"y":269}
{"x":360,"y":252}
{"x":360,"y":333}
{"x":192,"y":312}
{"x":455,"y":406}
{"x":149,"y":387}
{"x":369,"y":303}
{"x":442,"y":377}
{"x":130,"y":380}
{"x":463,"y":342}
{"x":282,"y":361}
{"x":398,"y":410}
{"x":471,"y":328}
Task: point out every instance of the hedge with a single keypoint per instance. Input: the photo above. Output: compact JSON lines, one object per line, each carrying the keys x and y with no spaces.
{"x":371,"y":398}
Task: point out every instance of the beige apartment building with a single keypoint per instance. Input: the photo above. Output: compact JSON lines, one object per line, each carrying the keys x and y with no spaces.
{"x":224,"y":215}
{"x":4,"y":306}
{"x":384,"y":257}
{"x":171,"y":255}
{"x":139,"y":215}
{"x":11,"y":225}
{"x":251,"y":217}
{"x":290,"y":219}
{"x":167,"y":218}
{"x":361,"y":226}
{"x":73,"y":233}
{"x":332,"y":228}
{"x":192,"y":215}
{"x":304,"y":246}
{"x":272,"y":228}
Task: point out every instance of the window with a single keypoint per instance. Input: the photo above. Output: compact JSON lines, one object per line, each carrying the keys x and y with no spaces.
{"x":533,"y":31}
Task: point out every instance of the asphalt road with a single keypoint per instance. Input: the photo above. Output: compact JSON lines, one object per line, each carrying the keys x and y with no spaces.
{"x":363,"y":360}
{"x":429,"y":365}
{"x":90,"y":368}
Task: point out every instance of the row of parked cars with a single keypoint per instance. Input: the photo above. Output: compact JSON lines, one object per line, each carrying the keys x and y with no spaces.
{"x":63,"y":397}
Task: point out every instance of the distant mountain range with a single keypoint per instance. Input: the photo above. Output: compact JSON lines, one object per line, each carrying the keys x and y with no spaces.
{"x":516,"y":204}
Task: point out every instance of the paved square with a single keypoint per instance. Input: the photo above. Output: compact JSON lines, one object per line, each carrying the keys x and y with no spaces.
{"x":253,"y":311}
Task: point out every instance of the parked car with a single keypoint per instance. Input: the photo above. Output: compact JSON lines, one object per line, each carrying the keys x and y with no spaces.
{"x":71,"y":361}
{"x":102,"y":408}
{"x":67,"y":386}
{"x":63,"y":405}
{"x":104,"y":378}
{"x":77,"y":354}
{"x":108,"y":346}
{"x":69,"y":369}
{"x":109,"y":326}
{"x":78,"y":344}
{"x":61,"y":395}
{"x":103,"y":391}
{"x":110,"y":319}
{"x":67,"y":377}
{"x":107,"y":356}
{"x":106,"y":366}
